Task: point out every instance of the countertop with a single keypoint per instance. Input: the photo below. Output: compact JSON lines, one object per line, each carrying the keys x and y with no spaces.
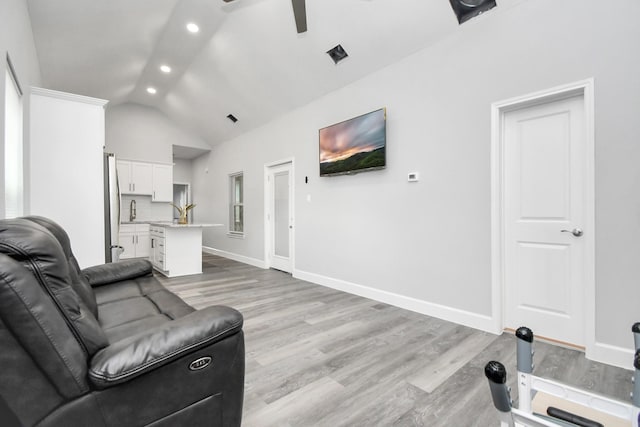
{"x":171,"y":224}
{"x":175,"y":225}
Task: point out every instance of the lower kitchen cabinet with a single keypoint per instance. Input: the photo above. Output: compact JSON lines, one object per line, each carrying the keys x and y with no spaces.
{"x":135,"y":241}
{"x":176,"y":249}
{"x":157,"y":252}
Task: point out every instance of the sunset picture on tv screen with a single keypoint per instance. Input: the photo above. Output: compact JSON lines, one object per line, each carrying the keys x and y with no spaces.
{"x":354,"y":145}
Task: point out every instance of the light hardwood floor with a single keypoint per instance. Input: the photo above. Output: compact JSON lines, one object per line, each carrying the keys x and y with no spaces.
{"x":320,"y":357}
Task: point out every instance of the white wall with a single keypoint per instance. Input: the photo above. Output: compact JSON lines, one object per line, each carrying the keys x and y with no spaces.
{"x":67,"y":181}
{"x":182,"y":170}
{"x":429,"y":243}
{"x":16,"y":39}
{"x":137,"y":132}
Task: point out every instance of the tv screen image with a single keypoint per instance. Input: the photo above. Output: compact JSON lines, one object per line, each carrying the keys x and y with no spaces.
{"x":355,"y":145}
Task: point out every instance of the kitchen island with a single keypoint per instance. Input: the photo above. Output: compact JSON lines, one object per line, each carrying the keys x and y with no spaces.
{"x":176,"y":249}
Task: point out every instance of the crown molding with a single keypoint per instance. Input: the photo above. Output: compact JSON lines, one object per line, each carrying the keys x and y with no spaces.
{"x":68,"y":96}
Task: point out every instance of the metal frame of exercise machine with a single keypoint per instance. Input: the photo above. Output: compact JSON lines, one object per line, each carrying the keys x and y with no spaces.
{"x":529,"y":385}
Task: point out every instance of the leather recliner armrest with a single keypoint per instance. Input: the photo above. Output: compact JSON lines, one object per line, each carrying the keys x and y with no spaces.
{"x":133,"y":356}
{"x":117,"y":271}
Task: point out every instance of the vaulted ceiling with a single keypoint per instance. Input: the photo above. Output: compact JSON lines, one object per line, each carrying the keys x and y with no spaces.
{"x":246,"y":59}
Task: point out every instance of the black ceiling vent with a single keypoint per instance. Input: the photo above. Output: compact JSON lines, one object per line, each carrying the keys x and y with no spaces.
{"x":467,"y":9}
{"x":337,"y":53}
{"x":232,"y":118}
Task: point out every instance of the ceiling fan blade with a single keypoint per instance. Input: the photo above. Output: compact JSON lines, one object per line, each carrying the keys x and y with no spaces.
{"x":300,"y":13}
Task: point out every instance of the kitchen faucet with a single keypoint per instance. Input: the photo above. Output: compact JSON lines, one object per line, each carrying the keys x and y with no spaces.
{"x":132,"y":210}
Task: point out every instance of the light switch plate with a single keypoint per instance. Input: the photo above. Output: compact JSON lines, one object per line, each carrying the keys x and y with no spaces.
{"x":413,"y":176}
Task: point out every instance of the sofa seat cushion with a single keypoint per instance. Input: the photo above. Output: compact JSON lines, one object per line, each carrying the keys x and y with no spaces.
{"x":116,"y":292}
{"x":139,"y":286}
{"x":131,"y":306}
{"x":116,"y":313}
{"x":134,"y":327}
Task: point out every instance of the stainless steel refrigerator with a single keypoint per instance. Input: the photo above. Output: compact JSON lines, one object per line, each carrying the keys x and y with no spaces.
{"x":112,"y":209}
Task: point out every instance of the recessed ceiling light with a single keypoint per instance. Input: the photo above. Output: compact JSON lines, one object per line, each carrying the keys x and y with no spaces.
{"x":165,"y":68}
{"x":152,"y":90}
{"x":193,"y":28}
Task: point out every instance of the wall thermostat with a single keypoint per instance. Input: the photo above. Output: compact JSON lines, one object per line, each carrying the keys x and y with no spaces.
{"x":413,"y":177}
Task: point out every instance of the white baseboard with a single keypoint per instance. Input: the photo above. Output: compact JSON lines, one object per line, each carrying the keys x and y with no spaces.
{"x":611,"y":355}
{"x":462,"y":317}
{"x":240,"y":258}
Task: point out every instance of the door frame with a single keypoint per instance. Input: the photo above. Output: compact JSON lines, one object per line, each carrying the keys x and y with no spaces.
{"x":584,"y":88}
{"x":267,"y":212}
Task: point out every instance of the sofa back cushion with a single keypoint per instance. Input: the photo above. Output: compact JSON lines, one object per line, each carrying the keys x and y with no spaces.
{"x":79,"y":283}
{"x":40,"y":357}
{"x":41,"y":254}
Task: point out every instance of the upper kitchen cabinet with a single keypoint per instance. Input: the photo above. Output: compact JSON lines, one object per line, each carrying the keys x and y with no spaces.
{"x":162,"y":183}
{"x":146,"y":179}
{"x":135,"y":177}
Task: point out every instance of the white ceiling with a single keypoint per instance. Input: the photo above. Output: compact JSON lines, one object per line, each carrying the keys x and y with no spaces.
{"x":246,"y":60}
{"x":187,"y":153}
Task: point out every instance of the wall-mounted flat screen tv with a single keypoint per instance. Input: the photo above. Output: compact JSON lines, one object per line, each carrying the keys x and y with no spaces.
{"x":355,"y":145}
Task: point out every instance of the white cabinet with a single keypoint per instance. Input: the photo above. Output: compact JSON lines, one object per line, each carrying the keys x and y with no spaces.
{"x":127,"y":242}
{"x":142,"y":178}
{"x":143,"y":245}
{"x":149,"y":179}
{"x":135,"y":177}
{"x":177,"y":249}
{"x":162,"y":183}
{"x":135,"y":240}
{"x":157,"y":254}
{"x":124,"y":176}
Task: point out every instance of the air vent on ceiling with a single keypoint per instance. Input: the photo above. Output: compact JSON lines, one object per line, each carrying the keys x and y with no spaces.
{"x":467,"y":9}
{"x":232,"y":118}
{"x":337,"y":53}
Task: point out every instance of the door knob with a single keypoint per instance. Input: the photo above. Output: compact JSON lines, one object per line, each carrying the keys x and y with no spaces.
{"x":576,"y":232}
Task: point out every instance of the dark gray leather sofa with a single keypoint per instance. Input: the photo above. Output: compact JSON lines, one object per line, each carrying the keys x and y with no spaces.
{"x":108,"y":345}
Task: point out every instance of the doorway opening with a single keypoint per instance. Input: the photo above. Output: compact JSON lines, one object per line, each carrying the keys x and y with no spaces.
{"x":182,"y":197}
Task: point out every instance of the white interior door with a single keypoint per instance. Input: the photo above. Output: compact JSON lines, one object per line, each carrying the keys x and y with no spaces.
{"x":280,"y":217}
{"x":544,"y":219}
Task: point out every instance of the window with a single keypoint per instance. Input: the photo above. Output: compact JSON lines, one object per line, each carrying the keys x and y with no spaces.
{"x":13,"y":179}
{"x":236,"y":208}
